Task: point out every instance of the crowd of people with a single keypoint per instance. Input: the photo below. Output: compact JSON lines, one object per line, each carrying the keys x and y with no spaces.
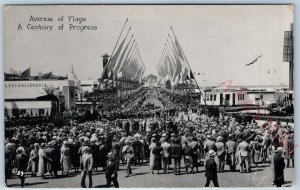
{"x":163,"y":140}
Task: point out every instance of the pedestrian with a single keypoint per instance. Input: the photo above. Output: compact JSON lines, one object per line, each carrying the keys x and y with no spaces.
{"x":129,"y":155}
{"x":220,"y":153}
{"x":176,"y":152}
{"x":230,"y":151}
{"x":195,"y":146}
{"x":21,"y":161}
{"x":112,"y":171}
{"x":151,"y":147}
{"x":188,"y":161}
{"x":52,"y":160}
{"x":279,"y":166}
{"x":8,"y":161}
{"x":65,"y":159}
{"x":291,"y":147}
{"x":166,"y":155}
{"x":87,"y":163}
{"x":211,"y":172}
{"x":243,"y":155}
{"x":257,"y":150}
{"x":56,"y":158}
{"x":42,"y":161}
{"x":115,"y":148}
{"x":34,"y":159}
{"x":157,"y":151}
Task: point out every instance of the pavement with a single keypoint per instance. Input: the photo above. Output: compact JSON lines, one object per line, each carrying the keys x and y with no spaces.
{"x":142,"y":177}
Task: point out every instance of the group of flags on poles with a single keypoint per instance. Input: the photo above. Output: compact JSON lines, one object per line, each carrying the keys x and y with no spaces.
{"x":125,"y":63}
{"x":173,"y":67}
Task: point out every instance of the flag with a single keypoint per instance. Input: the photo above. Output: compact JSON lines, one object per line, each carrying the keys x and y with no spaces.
{"x":129,"y":55}
{"x":112,"y":62}
{"x":120,"y":61}
{"x":25,"y":74}
{"x":111,"y":74}
{"x":192,"y":75}
{"x":187,"y":78}
{"x":47,"y":75}
{"x":185,"y":74}
{"x":120,"y":75}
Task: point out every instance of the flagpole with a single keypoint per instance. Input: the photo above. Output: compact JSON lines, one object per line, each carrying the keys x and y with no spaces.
{"x":190,"y":68}
{"x":118,"y":40}
{"x":109,"y":61}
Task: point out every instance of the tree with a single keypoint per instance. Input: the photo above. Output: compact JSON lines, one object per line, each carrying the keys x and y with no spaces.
{"x":50,"y":90}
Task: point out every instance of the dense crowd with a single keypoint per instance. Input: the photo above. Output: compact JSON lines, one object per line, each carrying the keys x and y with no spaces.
{"x":164,"y":138}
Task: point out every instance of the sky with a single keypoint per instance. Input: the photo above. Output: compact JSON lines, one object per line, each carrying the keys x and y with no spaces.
{"x":218,"y":40}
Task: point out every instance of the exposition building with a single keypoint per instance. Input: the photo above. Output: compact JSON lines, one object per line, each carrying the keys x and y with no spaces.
{"x":29,"y":96}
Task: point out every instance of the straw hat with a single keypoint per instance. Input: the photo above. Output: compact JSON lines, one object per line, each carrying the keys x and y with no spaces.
{"x":36,"y":145}
{"x":211,"y":153}
{"x":9,"y":145}
{"x":219,"y":138}
{"x":279,"y":149}
{"x":20,"y":149}
{"x":49,"y":144}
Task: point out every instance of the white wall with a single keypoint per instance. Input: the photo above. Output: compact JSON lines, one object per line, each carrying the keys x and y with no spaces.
{"x":31,"y":107}
{"x":34,"y":89}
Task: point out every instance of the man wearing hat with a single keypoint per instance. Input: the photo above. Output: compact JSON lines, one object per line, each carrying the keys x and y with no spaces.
{"x":87,"y":163}
{"x":166,"y":148}
{"x":243,"y":155}
{"x":279,"y":166}
{"x":116,"y":149}
{"x":112,"y":171}
{"x":208,"y":144}
{"x":230,"y":151}
{"x":42,"y":161}
{"x":291,"y":147}
{"x":21,"y":160}
{"x":9,"y":154}
{"x":176,"y":152}
{"x":211,"y":169}
{"x":220,"y":153}
{"x":128,"y":151}
{"x":65,"y":158}
{"x":52,"y":156}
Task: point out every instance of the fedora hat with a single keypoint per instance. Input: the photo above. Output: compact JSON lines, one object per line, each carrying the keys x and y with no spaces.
{"x":211,"y":153}
{"x":219,"y":138}
{"x":279,"y":149}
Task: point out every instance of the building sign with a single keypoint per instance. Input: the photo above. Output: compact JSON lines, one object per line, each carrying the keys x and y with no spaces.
{"x":224,"y":90}
{"x":23,"y":85}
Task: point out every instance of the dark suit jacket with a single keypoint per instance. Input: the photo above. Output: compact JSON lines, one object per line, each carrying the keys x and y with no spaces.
{"x":211,"y":168}
{"x":112,"y":169}
{"x":176,"y":151}
{"x":279,"y":166}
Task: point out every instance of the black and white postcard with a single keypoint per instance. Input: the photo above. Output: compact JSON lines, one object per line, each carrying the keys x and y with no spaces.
{"x":162,"y":96}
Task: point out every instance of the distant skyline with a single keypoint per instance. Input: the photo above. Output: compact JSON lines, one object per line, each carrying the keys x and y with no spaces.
{"x":217,"y":40}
